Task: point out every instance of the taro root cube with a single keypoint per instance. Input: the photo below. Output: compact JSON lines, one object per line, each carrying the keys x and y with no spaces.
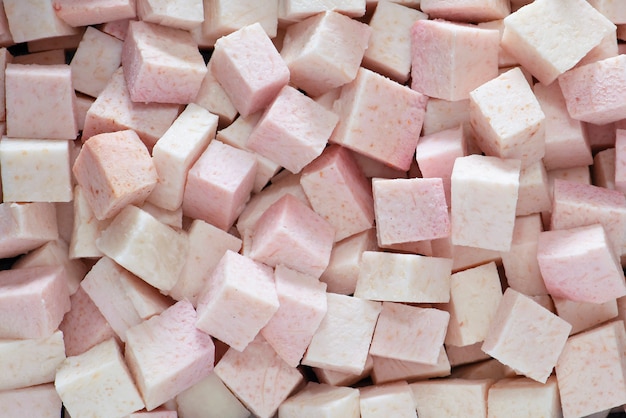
{"x":249,"y":68}
{"x":525,"y":336}
{"x":167,"y":354}
{"x":450,"y":60}
{"x":40,"y":401}
{"x":97,"y":383}
{"x":26,"y":226}
{"x":322,"y":400}
{"x":579,"y":264}
{"x":291,"y":233}
{"x":324,"y":51}
{"x":91,"y":12}
{"x":293,"y":131}
{"x":548,"y":37}
{"x":40,"y":102}
{"x":210,"y":398}
{"x":466,"y":10}
{"x":508,"y":397}
{"x":452,"y":398}
{"x":378,"y":401}
{"x":35,"y":19}
{"x":114,"y":170}
{"x":238,"y":300}
{"x":484,"y":198}
{"x":161,"y":64}
{"x":181,"y":14}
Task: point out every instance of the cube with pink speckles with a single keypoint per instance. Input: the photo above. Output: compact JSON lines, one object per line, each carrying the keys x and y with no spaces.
{"x":324,"y":51}
{"x":219,"y":184}
{"x":525,"y":336}
{"x":342,"y":341}
{"x":238,"y":301}
{"x":40,"y":291}
{"x":322,"y":400}
{"x":387,"y":370}
{"x":507,"y":119}
{"x":450,"y":60}
{"x":91,"y":12}
{"x":576,"y":204}
{"x":593,"y":92}
{"x":579,"y":264}
{"x":451,"y":397}
{"x":339,"y":192}
{"x":590,"y":371}
{"x":466,"y":10}
{"x":35,"y":401}
{"x":534,"y":190}
{"x":249,"y":68}
{"x":186,"y":14}
{"x":172,"y":336}
{"x":484,"y":198}
{"x":291,"y":233}
{"x":409,"y":333}
{"x":258,"y":377}
{"x":114,"y":170}
{"x":537,"y":50}
{"x":26,"y":226}
{"x":161,"y":64}
{"x":380,"y":119}
{"x":40,"y":102}
{"x":508,"y":397}
{"x":35,"y":20}
{"x":293,"y":131}
{"x":302,"y":301}
{"x":585,"y":315}
{"x":409,"y":210}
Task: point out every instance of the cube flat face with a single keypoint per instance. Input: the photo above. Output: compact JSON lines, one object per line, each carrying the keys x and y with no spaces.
{"x":210,"y":398}
{"x":509,"y":395}
{"x":467,"y":10}
{"x":35,"y":20}
{"x":225,"y":17}
{"x":317,"y":400}
{"x":388,"y":370}
{"x":396,"y":397}
{"x":452,"y":397}
{"x":82,"y":13}
{"x":41,"y":401}
{"x":584,"y":315}
{"x":186,"y":14}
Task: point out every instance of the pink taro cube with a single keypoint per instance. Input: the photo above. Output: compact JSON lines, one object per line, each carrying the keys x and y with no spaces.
{"x":508,"y":397}
{"x":466,"y":10}
{"x":450,"y":60}
{"x":172,"y":336}
{"x":91,"y":12}
{"x":40,"y":401}
{"x":26,"y":226}
{"x":452,"y":398}
{"x":293,"y":131}
{"x":290,"y":233}
{"x":377,"y":401}
{"x":380,"y":119}
{"x":249,"y":68}
{"x":161,"y":64}
{"x":185,"y":14}
{"x":33,"y":20}
{"x":322,"y":400}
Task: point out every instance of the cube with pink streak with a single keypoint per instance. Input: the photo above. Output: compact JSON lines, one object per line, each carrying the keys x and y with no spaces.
{"x":207,"y":245}
{"x":525,"y":336}
{"x":219,"y":184}
{"x":507,"y":120}
{"x":453,"y":398}
{"x":576,"y":204}
{"x":296,"y":10}
{"x":35,"y":20}
{"x":123,"y":299}
{"x":28,"y":362}
{"x":579,"y":264}
{"x":436,"y":153}
{"x":258,"y":377}
{"x":536,"y":50}
{"x":84,"y":326}
{"x":590,"y":371}
{"x":377,"y":401}
{"x":389,"y":48}
{"x":450,"y":60}
{"x":380,"y":119}
{"x":592,"y":92}
{"x":155,"y":55}
{"x":409,"y":333}
{"x":585,"y":315}
{"x":520,"y":262}
{"x":387,"y":370}
{"x":114,"y":170}
{"x":321,"y":400}
{"x":339,"y":192}
{"x":177,"y":150}
{"x":91,"y":12}
{"x":114,"y":111}
{"x":474,"y":298}
{"x":620,"y":160}
{"x":146,"y":247}
{"x":508,"y":397}
{"x":249,"y":68}
{"x":484,"y":199}
{"x":410,"y":278}
{"x":534,"y":190}
{"x":98,"y":383}
{"x":213,"y":98}
{"x":40,"y":291}
{"x":324,"y":51}
{"x":26,"y":226}
{"x":171,"y":335}
{"x":210,"y":398}
{"x":40,"y":102}
{"x":302,"y":306}
{"x":293,"y":131}
{"x":238,"y":300}
{"x":567,"y":144}
{"x":343,"y":339}
{"x":291,"y":233}
{"x":40,"y":401}
{"x":409,"y":210}
{"x":467,"y":10}
{"x":186,"y":14}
